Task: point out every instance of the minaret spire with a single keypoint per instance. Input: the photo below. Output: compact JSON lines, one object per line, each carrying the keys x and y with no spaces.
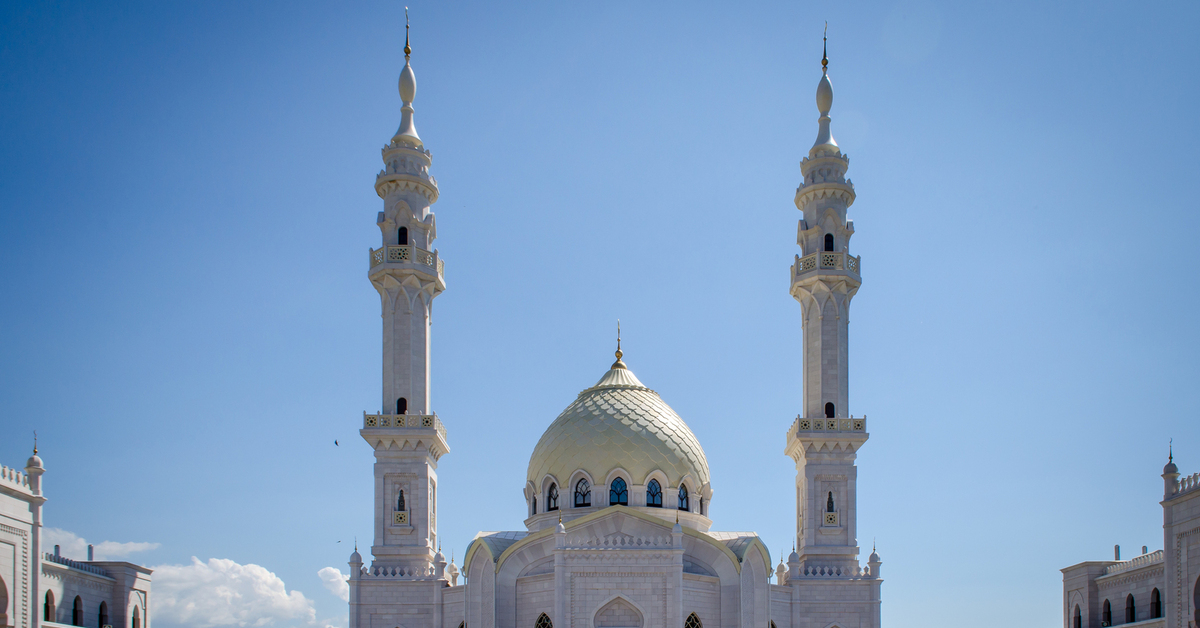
{"x":618,"y":364}
{"x":825,"y":139}
{"x":407,"y":133}
{"x":824,"y":47}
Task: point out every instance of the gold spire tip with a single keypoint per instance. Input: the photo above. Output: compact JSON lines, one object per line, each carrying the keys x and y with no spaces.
{"x":407,"y":48}
{"x":618,"y":364}
{"x":825,"y":48}
{"x":35,"y":442}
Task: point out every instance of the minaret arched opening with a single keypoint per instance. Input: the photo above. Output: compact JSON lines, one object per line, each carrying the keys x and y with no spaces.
{"x":1106,"y":614}
{"x":137,"y":618}
{"x":830,"y":410}
{"x":77,"y":612}
{"x":828,"y":241}
{"x":402,"y":236}
{"x":829,"y":503}
{"x":1155,"y":604}
{"x":1078,"y":621}
{"x":103,"y":614}
{"x":402,"y":406}
{"x":1130,"y":609}
{"x":48,"y":611}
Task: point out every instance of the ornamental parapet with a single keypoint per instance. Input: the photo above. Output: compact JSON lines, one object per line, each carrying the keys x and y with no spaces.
{"x":825,"y":261}
{"x":74,"y":564}
{"x":1186,"y":484}
{"x":1145,"y":560}
{"x":407,"y":421}
{"x":407,"y":254}
{"x":851,"y":424}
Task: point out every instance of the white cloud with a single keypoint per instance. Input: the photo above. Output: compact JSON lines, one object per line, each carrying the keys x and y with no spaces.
{"x":74,"y":546}
{"x":224,"y":593}
{"x":335,"y":581}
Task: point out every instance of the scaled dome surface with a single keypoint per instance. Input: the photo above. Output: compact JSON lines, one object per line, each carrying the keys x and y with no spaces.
{"x":619,"y":423}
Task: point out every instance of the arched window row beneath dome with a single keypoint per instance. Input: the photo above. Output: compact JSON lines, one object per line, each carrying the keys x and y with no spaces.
{"x":620,"y":493}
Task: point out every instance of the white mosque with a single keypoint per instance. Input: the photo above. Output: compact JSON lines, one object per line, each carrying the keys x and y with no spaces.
{"x":620,"y":531}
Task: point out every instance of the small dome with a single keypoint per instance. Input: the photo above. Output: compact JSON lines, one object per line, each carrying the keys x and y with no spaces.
{"x":356,"y":557}
{"x":1167,"y":470}
{"x":874,"y":557}
{"x":619,"y":423}
{"x":34,"y":462}
{"x":793,"y":557}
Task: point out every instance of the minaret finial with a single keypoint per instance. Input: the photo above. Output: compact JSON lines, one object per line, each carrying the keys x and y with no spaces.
{"x":35,"y":442}
{"x":824,"y":48}
{"x":1170,"y":448}
{"x":618,"y":364}
{"x":407,"y":48}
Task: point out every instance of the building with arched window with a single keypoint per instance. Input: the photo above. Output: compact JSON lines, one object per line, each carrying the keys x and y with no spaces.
{"x":1159,"y":589}
{"x":621,"y":526}
{"x":39,"y":586}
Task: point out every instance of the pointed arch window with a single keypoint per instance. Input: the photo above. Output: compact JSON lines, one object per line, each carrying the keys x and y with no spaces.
{"x":1155,"y":604}
{"x":1106,"y":614}
{"x":400,"y":501}
{"x":1130,"y":609}
{"x":543,"y":621}
{"x":137,"y":618}
{"x":533,"y":507}
{"x":48,"y":611}
{"x":830,"y":410}
{"x":829,"y":503}
{"x":402,"y":236}
{"x":654,"y":494}
{"x":618,"y":493}
{"x":77,"y":612}
{"x":692,"y":622}
{"x":683,"y":497}
{"x":1078,"y":621}
{"x":583,"y":494}
{"x":552,"y":498}
{"x":402,"y":406}
{"x":828,"y":241}
{"x":103,"y":614}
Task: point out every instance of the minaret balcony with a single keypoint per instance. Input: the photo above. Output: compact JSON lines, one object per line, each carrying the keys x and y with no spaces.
{"x":407,"y":421}
{"x":851,"y":424}
{"x":407,"y":254}
{"x":825,"y":261}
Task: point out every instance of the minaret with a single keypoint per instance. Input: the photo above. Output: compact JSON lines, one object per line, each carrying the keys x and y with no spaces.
{"x":824,"y":438}
{"x":406,"y":435}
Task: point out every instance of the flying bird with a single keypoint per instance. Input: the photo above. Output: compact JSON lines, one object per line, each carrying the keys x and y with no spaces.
{"x":335,"y":443}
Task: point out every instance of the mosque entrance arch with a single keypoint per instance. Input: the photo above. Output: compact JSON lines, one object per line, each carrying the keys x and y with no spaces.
{"x":618,"y":613}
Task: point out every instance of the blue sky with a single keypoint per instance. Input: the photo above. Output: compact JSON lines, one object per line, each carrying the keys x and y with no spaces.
{"x":186,"y":203}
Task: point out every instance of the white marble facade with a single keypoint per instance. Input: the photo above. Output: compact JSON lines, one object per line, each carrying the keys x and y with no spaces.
{"x":44,"y":588}
{"x":619,"y":499}
{"x":1159,"y":589}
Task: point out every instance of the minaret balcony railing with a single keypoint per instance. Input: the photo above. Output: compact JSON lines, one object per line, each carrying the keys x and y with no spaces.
{"x":850,"y":424}
{"x":409,"y":254}
{"x":828,"y":260}
{"x":372,"y":421}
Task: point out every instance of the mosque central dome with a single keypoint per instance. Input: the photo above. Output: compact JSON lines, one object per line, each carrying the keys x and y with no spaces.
{"x":618,"y":424}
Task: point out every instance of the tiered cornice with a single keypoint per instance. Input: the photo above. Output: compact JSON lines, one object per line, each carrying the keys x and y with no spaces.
{"x":406,"y":168}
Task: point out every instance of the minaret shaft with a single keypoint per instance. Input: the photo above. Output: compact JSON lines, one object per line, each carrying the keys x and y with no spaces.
{"x":406,"y":271}
{"x":825,"y":438}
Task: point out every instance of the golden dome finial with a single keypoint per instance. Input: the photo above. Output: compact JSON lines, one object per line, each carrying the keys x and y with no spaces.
{"x":407,"y":48}
{"x":824,"y":49}
{"x":618,"y":364}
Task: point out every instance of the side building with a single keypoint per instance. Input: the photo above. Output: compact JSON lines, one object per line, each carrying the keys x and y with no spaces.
{"x":48,"y":589}
{"x":1158,"y":589}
